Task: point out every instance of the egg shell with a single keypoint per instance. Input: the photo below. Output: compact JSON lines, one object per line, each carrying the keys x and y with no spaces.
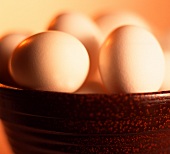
{"x":131,"y":60}
{"x":166,"y":82}
{"x":109,"y":21}
{"x":84,"y":29}
{"x":164,"y":40}
{"x":52,"y":60}
{"x":8,"y":43}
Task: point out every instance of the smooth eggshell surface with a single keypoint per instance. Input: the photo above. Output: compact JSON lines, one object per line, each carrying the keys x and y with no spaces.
{"x":84,"y":29}
{"x":7,"y":45}
{"x":52,"y":60}
{"x":131,"y":60}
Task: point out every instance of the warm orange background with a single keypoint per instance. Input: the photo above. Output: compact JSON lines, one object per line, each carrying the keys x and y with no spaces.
{"x":35,"y":15}
{"x":4,"y":144}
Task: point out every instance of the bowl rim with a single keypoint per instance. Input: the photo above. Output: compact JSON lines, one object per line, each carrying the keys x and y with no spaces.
{"x":37,"y":105}
{"x":161,"y":92}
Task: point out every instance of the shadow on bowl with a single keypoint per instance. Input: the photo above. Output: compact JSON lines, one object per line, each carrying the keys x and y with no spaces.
{"x":42,"y":122}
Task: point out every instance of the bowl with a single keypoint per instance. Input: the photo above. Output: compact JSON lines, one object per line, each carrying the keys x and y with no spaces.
{"x":43,"y":122}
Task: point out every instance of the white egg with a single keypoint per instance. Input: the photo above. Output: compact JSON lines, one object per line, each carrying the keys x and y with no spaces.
{"x":52,"y":60}
{"x":84,"y":29}
{"x":131,"y":60}
{"x":166,"y":82}
{"x":7,"y":45}
{"x":112,"y":20}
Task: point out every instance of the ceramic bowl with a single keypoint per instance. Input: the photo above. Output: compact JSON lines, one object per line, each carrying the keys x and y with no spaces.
{"x":43,"y":122}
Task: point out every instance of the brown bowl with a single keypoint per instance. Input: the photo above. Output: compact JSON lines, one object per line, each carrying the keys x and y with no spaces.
{"x":42,"y":122}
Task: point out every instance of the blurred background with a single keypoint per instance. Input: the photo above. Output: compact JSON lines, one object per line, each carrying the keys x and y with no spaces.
{"x":35,"y":15}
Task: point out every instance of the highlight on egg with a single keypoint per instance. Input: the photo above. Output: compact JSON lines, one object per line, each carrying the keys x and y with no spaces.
{"x":131,"y":61}
{"x":51,"y":60}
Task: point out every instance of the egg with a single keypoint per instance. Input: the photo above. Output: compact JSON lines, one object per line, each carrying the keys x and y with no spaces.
{"x":92,"y":87}
{"x":84,"y":29}
{"x":131,"y":60}
{"x":109,"y":21}
{"x":52,"y":61}
{"x":8,"y":43}
{"x":166,"y":82}
{"x":164,"y":40}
